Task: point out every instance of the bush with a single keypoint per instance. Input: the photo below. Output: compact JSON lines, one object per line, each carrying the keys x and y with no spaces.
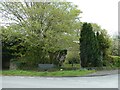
{"x":114,"y":61}
{"x":73,"y":57}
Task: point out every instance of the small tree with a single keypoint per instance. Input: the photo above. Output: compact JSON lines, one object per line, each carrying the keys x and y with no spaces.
{"x":104,"y":45}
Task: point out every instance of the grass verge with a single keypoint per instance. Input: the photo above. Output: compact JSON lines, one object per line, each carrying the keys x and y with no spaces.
{"x":51,"y":74}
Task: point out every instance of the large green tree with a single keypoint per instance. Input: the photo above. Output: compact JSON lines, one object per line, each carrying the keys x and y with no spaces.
{"x":48,"y":25}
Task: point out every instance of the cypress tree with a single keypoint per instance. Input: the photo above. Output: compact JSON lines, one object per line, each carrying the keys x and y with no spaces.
{"x":89,"y":47}
{"x":97,"y":60}
{"x":103,"y":46}
{"x":83,"y":45}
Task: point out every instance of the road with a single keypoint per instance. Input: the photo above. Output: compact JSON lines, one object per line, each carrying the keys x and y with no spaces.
{"x":109,"y":81}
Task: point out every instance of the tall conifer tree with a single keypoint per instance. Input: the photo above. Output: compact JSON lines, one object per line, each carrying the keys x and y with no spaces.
{"x":89,"y":47}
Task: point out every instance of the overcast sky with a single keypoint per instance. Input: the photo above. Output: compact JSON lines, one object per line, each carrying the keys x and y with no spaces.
{"x":102,"y":12}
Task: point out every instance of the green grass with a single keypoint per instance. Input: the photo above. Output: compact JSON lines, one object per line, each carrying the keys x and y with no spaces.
{"x":69,"y":66}
{"x":55,"y":73}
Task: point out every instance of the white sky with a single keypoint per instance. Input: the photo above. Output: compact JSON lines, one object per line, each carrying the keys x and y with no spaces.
{"x":102,"y":12}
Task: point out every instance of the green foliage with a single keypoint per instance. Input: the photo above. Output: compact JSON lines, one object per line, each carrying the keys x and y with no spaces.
{"x":114,"y":61}
{"x":104,"y":41}
{"x":12,"y":41}
{"x":102,"y":46}
{"x":115,"y":45}
{"x":95,"y":46}
{"x":47,"y":21}
{"x":89,"y":47}
{"x":41,"y":27}
{"x":73,"y":56}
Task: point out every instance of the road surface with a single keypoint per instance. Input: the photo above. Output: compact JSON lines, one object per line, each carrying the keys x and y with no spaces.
{"x":109,"y":81}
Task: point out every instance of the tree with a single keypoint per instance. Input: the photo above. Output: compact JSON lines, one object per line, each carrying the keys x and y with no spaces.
{"x":115,"y":45}
{"x":89,"y":47}
{"x":104,"y":41}
{"x":48,"y":25}
{"x":73,"y":56}
{"x":104,"y":45}
{"x":13,"y":46}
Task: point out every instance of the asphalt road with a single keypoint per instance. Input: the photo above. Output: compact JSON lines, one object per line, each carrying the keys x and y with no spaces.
{"x":109,"y":81}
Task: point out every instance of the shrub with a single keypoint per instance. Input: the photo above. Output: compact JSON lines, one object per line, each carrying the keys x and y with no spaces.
{"x":114,"y":61}
{"x":73,"y":57}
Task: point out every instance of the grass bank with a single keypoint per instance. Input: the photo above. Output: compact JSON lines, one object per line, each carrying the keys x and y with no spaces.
{"x":51,"y":74}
